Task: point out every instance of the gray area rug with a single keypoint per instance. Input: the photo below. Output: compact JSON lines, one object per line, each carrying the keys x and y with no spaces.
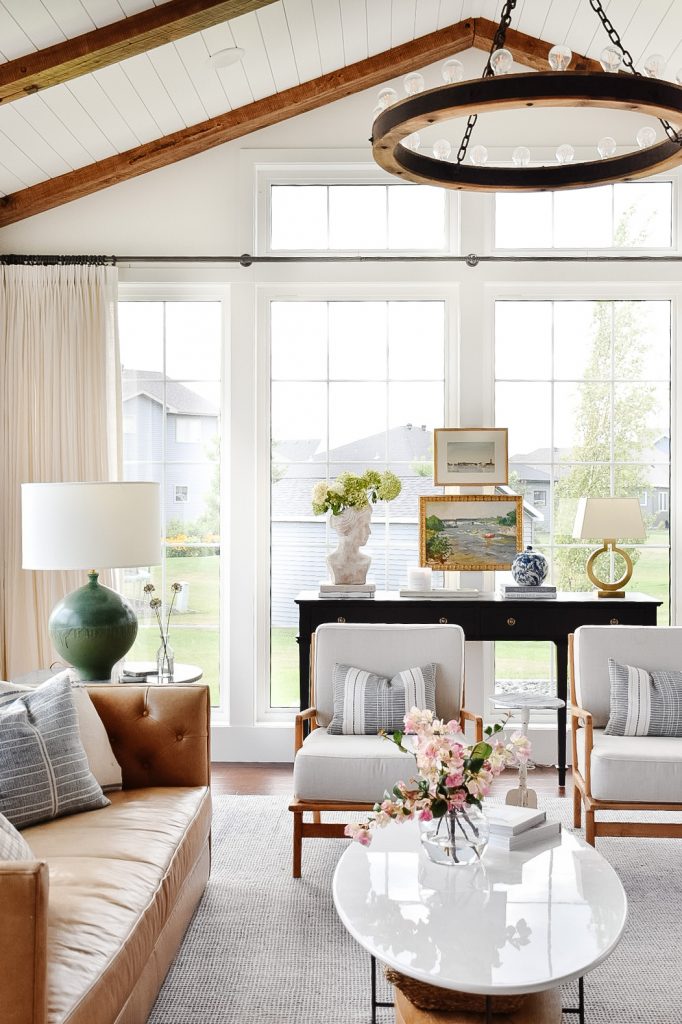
{"x":264,"y":948}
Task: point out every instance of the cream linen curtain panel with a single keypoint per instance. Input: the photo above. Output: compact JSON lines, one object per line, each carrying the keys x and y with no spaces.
{"x":60,"y":402}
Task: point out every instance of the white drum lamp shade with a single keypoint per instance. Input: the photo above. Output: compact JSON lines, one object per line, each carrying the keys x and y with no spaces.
{"x":91,"y":526}
{"x":609,"y":518}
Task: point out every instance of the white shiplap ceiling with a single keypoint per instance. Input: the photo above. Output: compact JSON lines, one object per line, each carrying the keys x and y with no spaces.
{"x":145,"y":97}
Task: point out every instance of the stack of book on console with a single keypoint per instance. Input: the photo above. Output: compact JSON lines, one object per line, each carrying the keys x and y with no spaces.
{"x":347,"y":591}
{"x":511,"y":590}
{"x":517,"y":828}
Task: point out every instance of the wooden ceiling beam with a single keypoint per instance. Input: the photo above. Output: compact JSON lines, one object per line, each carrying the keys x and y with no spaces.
{"x":113,"y":43}
{"x":234,"y":124}
{"x":526,"y":49}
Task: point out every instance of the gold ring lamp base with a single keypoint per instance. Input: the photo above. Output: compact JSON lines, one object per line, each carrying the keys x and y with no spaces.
{"x":609,"y":589}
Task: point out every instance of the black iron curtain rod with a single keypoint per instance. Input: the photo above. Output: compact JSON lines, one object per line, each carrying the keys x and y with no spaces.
{"x":246,"y":260}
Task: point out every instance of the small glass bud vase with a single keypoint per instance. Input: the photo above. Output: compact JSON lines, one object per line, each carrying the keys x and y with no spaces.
{"x":165,"y":662}
{"x":458,"y":838}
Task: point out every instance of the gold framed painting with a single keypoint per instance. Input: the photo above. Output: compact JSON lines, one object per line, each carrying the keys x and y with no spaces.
{"x":470,"y":532}
{"x":470,"y":456}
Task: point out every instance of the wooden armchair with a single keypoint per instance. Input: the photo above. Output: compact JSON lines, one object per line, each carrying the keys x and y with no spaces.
{"x":350,"y":773}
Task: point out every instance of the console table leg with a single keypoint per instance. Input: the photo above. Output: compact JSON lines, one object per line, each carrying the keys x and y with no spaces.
{"x":374,"y":989}
{"x":562,"y":694}
{"x":581,"y":1000}
{"x":488,"y":1010}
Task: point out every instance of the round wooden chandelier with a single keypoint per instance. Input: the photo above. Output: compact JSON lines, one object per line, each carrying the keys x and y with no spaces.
{"x":395,"y":125}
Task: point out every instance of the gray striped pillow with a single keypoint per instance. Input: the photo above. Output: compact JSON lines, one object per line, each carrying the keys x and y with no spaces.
{"x":13,"y":846}
{"x":366,"y":703}
{"x":44,"y":771}
{"x":644,"y":703}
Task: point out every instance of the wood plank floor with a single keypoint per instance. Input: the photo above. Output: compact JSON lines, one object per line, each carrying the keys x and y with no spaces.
{"x":270,"y":779}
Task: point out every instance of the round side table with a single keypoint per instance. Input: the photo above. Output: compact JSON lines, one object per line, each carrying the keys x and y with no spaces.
{"x":145,"y":672}
{"x":525,"y":703}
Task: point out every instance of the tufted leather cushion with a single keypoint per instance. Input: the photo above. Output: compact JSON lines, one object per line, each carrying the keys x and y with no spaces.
{"x":115,"y":878}
{"x":159,"y":734}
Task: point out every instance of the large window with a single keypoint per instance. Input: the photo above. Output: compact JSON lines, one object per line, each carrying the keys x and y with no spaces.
{"x":632,"y":215}
{"x":354,"y":385}
{"x":584,"y":388}
{"x":171,"y":369}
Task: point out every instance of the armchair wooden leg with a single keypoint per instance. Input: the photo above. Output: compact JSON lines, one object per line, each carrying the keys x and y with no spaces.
{"x":577,"y":807}
{"x":589,"y":827}
{"x":298,"y":843}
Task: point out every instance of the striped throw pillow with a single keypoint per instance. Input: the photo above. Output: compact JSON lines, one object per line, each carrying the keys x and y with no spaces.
{"x":44,"y":771}
{"x":644,"y":703}
{"x":366,"y":703}
{"x":13,"y":846}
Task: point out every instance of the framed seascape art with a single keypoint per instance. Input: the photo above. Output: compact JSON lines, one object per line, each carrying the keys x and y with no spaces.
{"x":470,"y":456}
{"x":470,"y":532}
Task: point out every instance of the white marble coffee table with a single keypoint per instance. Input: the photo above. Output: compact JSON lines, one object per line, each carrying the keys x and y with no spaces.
{"x":518,"y":923}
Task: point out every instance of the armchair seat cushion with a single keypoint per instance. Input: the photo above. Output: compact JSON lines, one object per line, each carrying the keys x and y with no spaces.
{"x":639,"y":769}
{"x":356,"y":769}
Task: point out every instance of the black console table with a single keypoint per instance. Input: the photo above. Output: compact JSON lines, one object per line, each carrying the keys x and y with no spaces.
{"x":487,"y":617}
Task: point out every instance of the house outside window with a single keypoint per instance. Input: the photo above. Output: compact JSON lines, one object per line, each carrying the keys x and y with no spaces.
{"x":539,"y":497}
{"x":181,"y":493}
{"x":187,"y":429}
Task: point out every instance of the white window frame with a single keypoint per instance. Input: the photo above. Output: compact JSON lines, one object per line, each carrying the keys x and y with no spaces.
{"x":447,"y":294}
{"x":547,"y":155}
{"x":644,"y":499}
{"x":355,"y":170}
{"x":663,"y":501}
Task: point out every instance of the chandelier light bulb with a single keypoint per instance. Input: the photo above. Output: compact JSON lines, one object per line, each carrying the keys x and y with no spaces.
{"x":412,"y":141}
{"x":521,"y":156}
{"x":646,"y":137}
{"x":386,"y":98}
{"x":501,"y":62}
{"x":479,"y":156}
{"x":611,"y":58}
{"x":565,"y":154}
{"x":654,"y":65}
{"x":413,"y":83}
{"x":442,"y":149}
{"x":606,"y":147}
{"x":559,"y":57}
{"x":452,"y":71}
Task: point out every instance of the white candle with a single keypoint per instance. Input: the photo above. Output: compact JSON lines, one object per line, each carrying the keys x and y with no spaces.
{"x":419,"y":578}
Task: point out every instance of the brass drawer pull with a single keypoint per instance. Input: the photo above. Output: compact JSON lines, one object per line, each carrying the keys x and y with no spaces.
{"x":443,"y":621}
{"x":340,"y":619}
{"x":511,"y":621}
{"x":614,"y":622}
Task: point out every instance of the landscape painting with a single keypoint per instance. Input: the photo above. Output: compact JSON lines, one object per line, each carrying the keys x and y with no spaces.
{"x":464,"y":533}
{"x":466,"y":456}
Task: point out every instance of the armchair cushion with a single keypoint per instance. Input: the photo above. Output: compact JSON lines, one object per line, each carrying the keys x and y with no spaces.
{"x":644,"y":769}
{"x":644,"y":703}
{"x":357,"y":769}
{"x":365,"y":703}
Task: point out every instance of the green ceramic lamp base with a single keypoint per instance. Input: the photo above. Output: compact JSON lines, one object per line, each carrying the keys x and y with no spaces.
{"x":92,"y":628}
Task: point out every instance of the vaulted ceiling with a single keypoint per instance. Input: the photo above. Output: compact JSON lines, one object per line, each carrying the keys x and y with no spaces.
{"x":96,"y":91}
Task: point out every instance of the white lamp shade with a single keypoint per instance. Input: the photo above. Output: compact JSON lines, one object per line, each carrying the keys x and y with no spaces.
{"x":90,"y":525}
{"x":598,"y":518}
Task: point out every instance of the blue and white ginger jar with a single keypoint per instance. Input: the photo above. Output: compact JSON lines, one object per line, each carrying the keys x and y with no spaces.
{"x":529,"y":568}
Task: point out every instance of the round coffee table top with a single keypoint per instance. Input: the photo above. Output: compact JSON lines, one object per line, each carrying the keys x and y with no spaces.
{"x":518,"y":922}
{"x":145,"y":672}
{"x":534,"y":701}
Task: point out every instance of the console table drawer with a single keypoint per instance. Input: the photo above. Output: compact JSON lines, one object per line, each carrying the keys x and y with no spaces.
{"x":511,"y":620}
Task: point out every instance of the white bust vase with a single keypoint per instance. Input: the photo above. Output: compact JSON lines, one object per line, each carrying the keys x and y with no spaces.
{"x":348,"y":564}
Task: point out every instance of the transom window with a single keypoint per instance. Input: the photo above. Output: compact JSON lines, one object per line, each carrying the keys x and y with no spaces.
{"x":632,"y":215}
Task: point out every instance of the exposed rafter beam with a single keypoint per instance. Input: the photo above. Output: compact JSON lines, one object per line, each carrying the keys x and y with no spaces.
{"x":526,"y":49}
{"x":115,"y":42}
{"x":234,"y":124}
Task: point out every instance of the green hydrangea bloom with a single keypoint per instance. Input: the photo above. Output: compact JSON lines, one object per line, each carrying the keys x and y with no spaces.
{"x":352,"y":491}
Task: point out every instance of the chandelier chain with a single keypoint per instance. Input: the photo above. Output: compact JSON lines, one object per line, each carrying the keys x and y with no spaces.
{"x":497,"y":44}
{"x":628,"y":60}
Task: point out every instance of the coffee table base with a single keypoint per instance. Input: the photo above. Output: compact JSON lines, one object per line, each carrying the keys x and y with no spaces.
{"x":539,"y":1008}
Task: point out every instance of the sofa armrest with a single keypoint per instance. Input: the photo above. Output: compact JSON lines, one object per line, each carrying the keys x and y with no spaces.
{"x":160,"y":735}
{"x":24,"y":887}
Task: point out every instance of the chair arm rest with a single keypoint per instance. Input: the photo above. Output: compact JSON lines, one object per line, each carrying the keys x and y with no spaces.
{"x":303,"y":716}
{"x":582,"y":719}
{"x":24,"y":888}
{"x":469,"y":716}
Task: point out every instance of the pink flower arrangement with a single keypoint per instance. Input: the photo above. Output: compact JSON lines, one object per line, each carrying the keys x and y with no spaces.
{"x":452,"y":772}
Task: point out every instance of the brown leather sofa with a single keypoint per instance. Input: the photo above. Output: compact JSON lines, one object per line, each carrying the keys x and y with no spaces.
{"x":88,"y":931}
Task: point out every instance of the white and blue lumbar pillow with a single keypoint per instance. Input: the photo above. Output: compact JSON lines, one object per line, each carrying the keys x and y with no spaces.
{"x":366,"y":703}
{"x":644,"y":703}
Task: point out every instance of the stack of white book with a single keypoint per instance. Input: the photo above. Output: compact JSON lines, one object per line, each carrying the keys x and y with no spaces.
{"x":517,"y":828}
{"x":515,"y":591}
{"x":347,"y":591}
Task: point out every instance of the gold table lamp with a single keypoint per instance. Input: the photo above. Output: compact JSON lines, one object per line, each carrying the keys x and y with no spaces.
{"x":609,"y":518}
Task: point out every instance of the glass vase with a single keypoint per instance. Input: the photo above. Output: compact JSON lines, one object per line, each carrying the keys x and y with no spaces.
{"x":459,"y":837}
{"x":165,"y":662}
